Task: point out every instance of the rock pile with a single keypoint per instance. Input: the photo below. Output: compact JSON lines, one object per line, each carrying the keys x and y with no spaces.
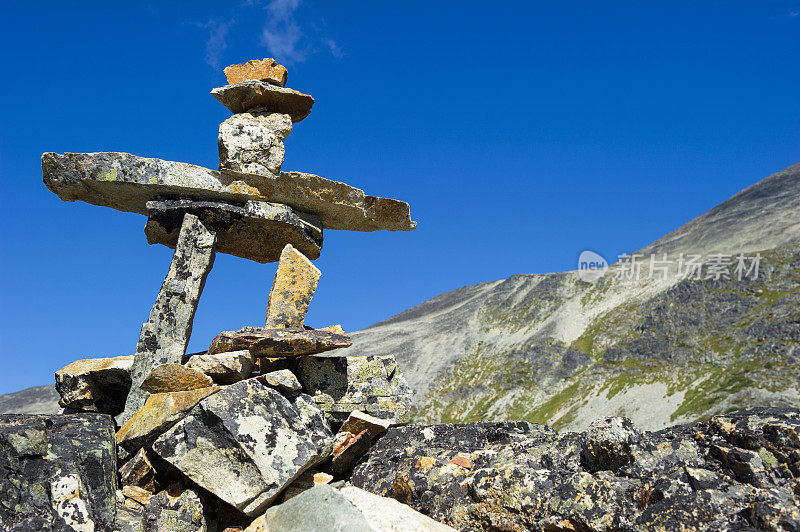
{"x":213,"y":439}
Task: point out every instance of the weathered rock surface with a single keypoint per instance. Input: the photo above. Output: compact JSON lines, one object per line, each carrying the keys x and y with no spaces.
{"x":347,"y":448}
{"x":58,"y":472}
{"x":246,"y":443}
{"x":341,"y":385}
{"x":95,"y":384}
{"x":267,"y":70}
{"x":241,"y":97}
{"x":139,"y":472}
{"x":319,"y":509}
{"x":263,"y":342}
{"x":224,"y":368}
{"x":160,"y":412}
{"x":734,"y":472}
{"x":252,"y":142}
{"x":282,"y":379}
{"x":176,"y":509}
{"x":175,"y":378}
{"x":126,"y":182}
{"x":307,"y":480}
{"x":255,"y":230}
{"x":293,"y":287}
{"x":166,"y":333}
{"x":388,"y":515}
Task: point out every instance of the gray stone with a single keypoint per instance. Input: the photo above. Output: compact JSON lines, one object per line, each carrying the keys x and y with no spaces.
{"x":246,"y":443}
{"x":126,"y":182}
{"x":224,"y":368}
{"x":95,"y":384}
{"x":319,"y":509}
{"x":58,"y":472}
{"x":255,"y":230}
{"x":280,"y":342}
{"x":174,"y":510}
{"x":388,"y":515}
{"x":341,"y":385}
{"x":283,"y":380}
{"x":252,"y":142}
{"x":166,"y":333}
{"x":241,"y":97}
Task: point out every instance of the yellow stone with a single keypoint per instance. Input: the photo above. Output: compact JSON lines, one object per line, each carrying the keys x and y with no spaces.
{"x":257,"y":69}
{"x":292,"y":290}
{"x":175,"y":378}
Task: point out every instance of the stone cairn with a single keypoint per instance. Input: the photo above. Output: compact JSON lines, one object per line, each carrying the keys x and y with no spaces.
{"x":258,"y":417}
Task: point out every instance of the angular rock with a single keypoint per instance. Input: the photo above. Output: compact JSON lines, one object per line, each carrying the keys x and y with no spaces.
{"x":160,"y":412}
{"x":166,"y":333}
{"x":263,"y":342}
{"x":283,"y":380}
{"x":319,"y":509}
{"x":388,"y":515}
{"x":307,"y":480}
{"x":246,"y":443}
{"x":58,"y":472}
{"x":95,"y":384}
{"x":292,"y":289}
{"x":175,"y":378}
{"x":252,"y":142}
{"x":224,"y":368}
{"x":175,"y":510}
{"x":348,"y":448}
{"x":126,"y":182}
{"x":267,"y":70}
{"x":335,"y":329}
{"x":520,"y":476}
{"x":139,"y":472}
{"x":341,"y":385}
{"x":140,"y":495}
{"x":255,"y":230}
{"x":358,"y":421}
{"x":241,"y":97}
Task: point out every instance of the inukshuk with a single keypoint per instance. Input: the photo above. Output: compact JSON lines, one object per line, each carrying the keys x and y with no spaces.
{"x":250,"y":208}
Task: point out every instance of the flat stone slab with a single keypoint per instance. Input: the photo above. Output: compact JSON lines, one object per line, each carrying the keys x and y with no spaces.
{"x":267,"y":70}
{"x":126,"y":182}
{"x":241,"y":97}
{"x":278,"y":342}
{"x":255,"y":230}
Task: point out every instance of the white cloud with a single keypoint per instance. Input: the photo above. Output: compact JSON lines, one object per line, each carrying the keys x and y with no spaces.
{"x":217,"y":42}
{"x":335,"y":49}
{"x":281,"y":34}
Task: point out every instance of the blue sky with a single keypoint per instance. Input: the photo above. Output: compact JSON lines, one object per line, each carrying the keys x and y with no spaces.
{"x":520,"y":135}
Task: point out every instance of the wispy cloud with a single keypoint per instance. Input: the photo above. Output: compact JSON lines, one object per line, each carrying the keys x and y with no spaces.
{"x":281,"y":34}
{"x":336,"y":50}
{"x":217,"y":41}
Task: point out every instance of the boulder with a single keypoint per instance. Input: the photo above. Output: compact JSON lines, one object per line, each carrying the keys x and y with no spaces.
{"x":319,"y":509}
{"x":252,"y":142}
{"x":243,"y":96}
{"x":341,"y":385}
{"x":387,"y":515}
{"x":165,"y":335}
{"x":224,"y":368}
{"x":294,"y":285}
{"x":267,"y":70}
{"x":358,"y":421}
{"x":175,"y":378}
{"x":160,"y":412}
{"x":246,"y":443}
{"x":733,"y":472}
{"x":282,"y":380}
{"x":95,"y":384}
{"x":58,"y":472}
{"x":263,"y":342}
{"x":255,"y":230}
{"x":126,"y":182}
{"x":139,"y":472}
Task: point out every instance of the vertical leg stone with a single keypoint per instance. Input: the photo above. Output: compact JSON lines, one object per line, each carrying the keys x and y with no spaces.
{"x":292,"y":290}
{"x":166,"y":333}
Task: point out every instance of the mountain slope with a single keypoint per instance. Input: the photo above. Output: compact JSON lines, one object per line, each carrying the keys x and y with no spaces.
{"x":553,"y":348}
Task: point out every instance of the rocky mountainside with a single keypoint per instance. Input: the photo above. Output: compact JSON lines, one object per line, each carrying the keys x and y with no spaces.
{"x":660,"y":350}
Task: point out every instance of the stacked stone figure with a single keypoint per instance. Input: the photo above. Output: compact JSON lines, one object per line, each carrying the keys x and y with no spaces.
{"x":259,"y":416}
